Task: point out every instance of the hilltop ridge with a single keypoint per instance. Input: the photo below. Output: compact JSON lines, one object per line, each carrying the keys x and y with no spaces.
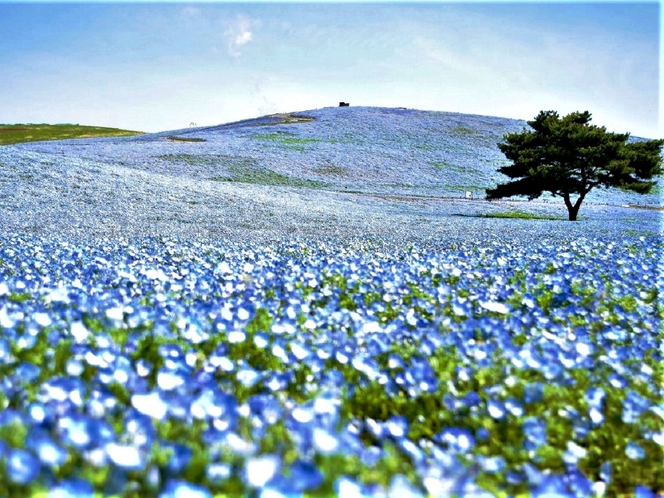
{"x":388,"y":150}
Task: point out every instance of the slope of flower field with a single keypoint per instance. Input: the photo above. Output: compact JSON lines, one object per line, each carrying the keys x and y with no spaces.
{"x":304,"y":305}
{"x":329,"y":168}
{"x":159,"y":367}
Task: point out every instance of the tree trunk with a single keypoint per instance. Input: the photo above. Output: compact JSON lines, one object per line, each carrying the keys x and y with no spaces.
{"x":573,"y":212}
{"x":573,"y":209}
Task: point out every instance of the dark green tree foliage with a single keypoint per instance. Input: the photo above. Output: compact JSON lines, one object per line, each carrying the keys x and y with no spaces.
{"x":568,"y":157}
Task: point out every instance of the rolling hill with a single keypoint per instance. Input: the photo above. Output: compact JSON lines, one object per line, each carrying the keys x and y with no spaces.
{"x":19,"y":133}
{"x":357,"y":170}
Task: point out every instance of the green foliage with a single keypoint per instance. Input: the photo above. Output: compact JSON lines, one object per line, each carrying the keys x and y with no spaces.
{"x":448,"y":166}
{"x":19,"y":297}
{"x":185,"y":139}
{"x":240,"y":169}
{"x":18,"y":133}
{"x":569,"y":157}
{"x":331,"y":170}
{"x":261,"y":322}
{"x":289,"y":118}
{"x":14,"y":434}
{"x":462,"y":130}
{"x":148,"y":350}
{"x":522,"y":215}
{"x":286,"y":140}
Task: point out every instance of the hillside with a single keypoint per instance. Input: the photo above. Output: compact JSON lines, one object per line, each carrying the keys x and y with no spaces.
{"x":307,"y":305}
{"x":20,"y":133}
{"x":363,"y":170}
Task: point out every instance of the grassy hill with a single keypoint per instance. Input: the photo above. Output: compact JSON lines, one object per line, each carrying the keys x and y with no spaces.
{"x":19,"y":133}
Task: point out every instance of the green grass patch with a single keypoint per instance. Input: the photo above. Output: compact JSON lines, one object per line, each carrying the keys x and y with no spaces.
{"x":287,"y":140}
{"x":19,"y":133}
{"x":294,"y":118}
{"x":462,"y":130}
{"x":646,"y":206}
{"x":241,"y":170}
{"x":331,"y":170}
{"x":446,"y":166}
{"x":522,"y":215}
{"x":464,"y":188}
{"x":263,"y":176}
{"x":288,"y":118}
{"x":20,"y":297}
{"x":185,"y":139}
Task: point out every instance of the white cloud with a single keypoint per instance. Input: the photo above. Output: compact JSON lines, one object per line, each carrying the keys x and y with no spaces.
{"x":190,"y":11}
{"x":239,"y":34}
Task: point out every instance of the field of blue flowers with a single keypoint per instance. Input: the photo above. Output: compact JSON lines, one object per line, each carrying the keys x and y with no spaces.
{"x":367,"y":339}
{"x":162,"y":367}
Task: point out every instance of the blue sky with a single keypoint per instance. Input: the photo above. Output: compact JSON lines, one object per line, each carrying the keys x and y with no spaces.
{"x":155,"y":67}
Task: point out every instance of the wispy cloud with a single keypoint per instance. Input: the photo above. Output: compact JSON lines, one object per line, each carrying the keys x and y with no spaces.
{"x":190,"y":11}
{"x":240,"y":33}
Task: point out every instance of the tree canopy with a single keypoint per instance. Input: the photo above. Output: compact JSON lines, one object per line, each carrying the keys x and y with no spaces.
{"x":568,"y":157}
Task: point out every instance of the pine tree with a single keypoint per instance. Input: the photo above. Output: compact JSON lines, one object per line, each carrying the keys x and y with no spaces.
{"x":568,"y":157}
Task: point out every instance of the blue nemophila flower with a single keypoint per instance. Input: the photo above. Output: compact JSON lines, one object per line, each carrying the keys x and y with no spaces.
{"x":247,"y":375}
{"x":514,"y":406}
{"x":278,"y":381}
{"x":605,"y":472}
{"x":26,"y":373}
{"x":72,"y":488}
{"x":218,"y":472}
{"x":400,"y":486}
{"x":345,"y":486}
{"x":578,"y":483}
{"x":492,"y":464}
{"x":643,"y":492}
{"x":552,"y":486}
{"x":324,"y":441}
{"x":267,"y":408}
{"x":84,"y":432}
{"x":238,"y":444}
{"x":214,"y":404}
{"x":21,"y":467}
{"x":182,"y":489}
{"x":534,"y":430}
{"x":260,"y":470}
{"x":574,"y":453}
{"x":125,"y":456}
{"x":634,"y":406}
{"x":658,"y":438}
{"x":396,"y":426}
{"x":180,"y":456}
{"x":457,"y":439}
{"x":634,"y":451}
{"x":42,"y":445}
{"x":533,"y":393}
{"x":151,"y":405}
{"x":496,"y":409}
{"x":595,"y":397}
{"x":303,"y":476}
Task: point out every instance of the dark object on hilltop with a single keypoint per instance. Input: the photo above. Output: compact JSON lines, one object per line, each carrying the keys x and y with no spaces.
{"x":344,"y":104}
{"x":568,"y":156}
